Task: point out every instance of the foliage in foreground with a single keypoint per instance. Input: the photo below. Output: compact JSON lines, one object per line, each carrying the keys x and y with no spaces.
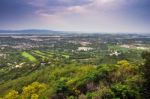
{"x":33,"y":91}
{"x":122,"y":81}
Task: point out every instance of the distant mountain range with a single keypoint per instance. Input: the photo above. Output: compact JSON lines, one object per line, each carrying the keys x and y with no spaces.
{"x":52,"y":32}
{"x":39,"y":32}
{"x":32,"y":32}
{"x":28,"y":31}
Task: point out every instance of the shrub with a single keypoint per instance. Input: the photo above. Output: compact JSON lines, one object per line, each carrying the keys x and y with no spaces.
{"x":124,"y":92}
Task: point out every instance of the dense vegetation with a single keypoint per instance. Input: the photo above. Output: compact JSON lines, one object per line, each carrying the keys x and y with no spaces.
{"x":122,"y":80}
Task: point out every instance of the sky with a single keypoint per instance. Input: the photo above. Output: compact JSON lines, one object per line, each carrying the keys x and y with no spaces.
{"x":76,"y":15}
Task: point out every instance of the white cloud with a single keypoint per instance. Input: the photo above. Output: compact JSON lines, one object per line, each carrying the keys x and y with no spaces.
{"x":77,"y":9}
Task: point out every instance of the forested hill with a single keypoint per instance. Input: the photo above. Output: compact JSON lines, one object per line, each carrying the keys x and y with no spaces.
{"x":122,"y":80}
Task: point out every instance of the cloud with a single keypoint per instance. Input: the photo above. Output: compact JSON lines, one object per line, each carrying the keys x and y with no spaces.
{"x":77,"y":9}
{"x":76,"y":14}
{"x":59,"y":6}
{"x":52,"y":7}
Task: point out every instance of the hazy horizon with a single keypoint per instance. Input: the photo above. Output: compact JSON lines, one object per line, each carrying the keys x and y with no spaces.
{"x":110,"y":16}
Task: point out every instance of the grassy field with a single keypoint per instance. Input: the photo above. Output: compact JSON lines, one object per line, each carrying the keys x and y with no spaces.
{"x":29,"y":56}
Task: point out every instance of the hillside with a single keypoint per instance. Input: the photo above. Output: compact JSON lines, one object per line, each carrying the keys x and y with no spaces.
{"x":75,"y":66}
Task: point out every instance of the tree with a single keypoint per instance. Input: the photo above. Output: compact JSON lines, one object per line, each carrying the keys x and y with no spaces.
{"x":124,"y":92}
{"x":12,"y":95}
{"x":146,"y":71}
{"x":33,"y":91}
{"x":35,"y":96}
